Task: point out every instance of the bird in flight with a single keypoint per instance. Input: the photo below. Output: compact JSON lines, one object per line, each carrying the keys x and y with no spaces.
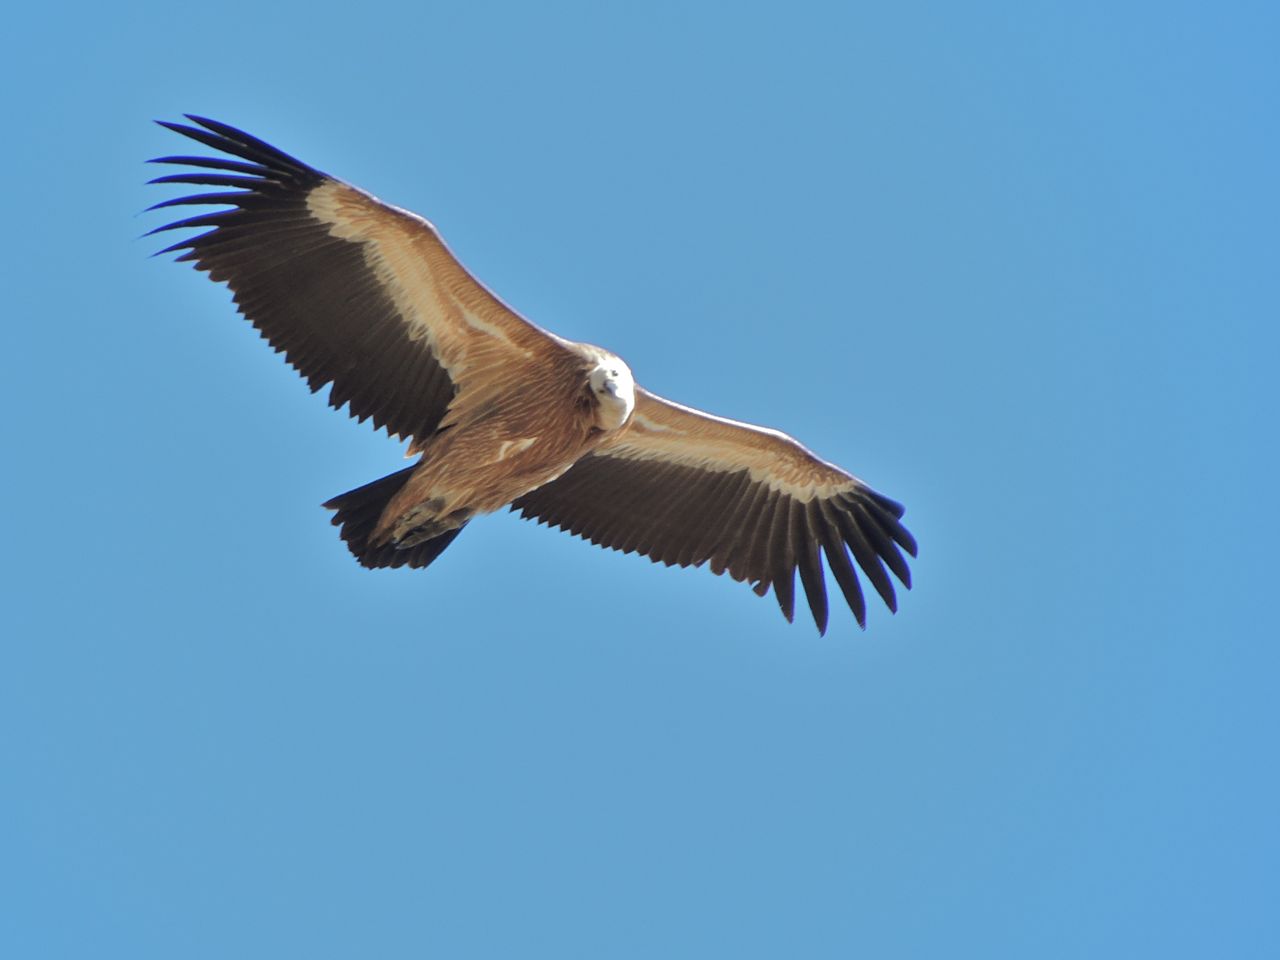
{"x":366,"y":297}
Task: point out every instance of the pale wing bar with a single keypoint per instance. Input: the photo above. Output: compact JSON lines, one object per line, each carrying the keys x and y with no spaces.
{"x":685,"y":515}
{"x":310,"y":294}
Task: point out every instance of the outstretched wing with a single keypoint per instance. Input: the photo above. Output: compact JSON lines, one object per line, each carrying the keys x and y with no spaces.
{"x":355,"y":292}
{"x":683,"y":487}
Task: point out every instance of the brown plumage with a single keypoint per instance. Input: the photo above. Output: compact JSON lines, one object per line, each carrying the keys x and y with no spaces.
{"x":366,"y":297}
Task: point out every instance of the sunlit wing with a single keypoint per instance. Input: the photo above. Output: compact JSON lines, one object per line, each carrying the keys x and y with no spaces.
{"x":683,"y":487}
{"x":355,"y":292}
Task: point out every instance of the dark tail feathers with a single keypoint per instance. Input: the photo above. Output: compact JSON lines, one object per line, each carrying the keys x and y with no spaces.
{"x":357,"y":513}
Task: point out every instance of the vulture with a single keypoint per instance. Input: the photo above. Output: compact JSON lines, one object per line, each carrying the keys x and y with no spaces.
{"x":365,"y":297}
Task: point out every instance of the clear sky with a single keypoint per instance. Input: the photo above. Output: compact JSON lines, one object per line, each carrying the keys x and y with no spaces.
{"x":1014,"y":263}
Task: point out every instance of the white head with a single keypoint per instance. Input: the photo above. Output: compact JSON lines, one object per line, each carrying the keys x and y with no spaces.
{"x":615,"y":391}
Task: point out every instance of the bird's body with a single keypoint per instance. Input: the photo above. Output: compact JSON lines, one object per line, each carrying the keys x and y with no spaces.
{"x":366,"y":297}
{"x":512,"y":442}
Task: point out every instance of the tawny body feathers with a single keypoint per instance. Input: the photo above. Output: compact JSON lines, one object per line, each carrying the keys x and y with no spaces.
{"x":495,"y":452}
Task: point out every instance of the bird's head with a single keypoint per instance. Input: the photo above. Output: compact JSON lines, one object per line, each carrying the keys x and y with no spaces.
{"x":614,"y":390}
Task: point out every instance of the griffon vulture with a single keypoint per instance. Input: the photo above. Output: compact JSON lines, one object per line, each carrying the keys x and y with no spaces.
{"x":365,"y":296}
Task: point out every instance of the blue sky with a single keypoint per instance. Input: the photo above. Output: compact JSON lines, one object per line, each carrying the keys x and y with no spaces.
{"x":1013,"y":263}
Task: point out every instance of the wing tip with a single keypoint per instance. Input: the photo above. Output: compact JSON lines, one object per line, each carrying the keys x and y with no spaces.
{"x":232,"y":140}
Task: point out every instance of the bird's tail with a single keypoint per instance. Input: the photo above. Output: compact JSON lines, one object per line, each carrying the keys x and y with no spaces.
{"x":357,"y":512}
